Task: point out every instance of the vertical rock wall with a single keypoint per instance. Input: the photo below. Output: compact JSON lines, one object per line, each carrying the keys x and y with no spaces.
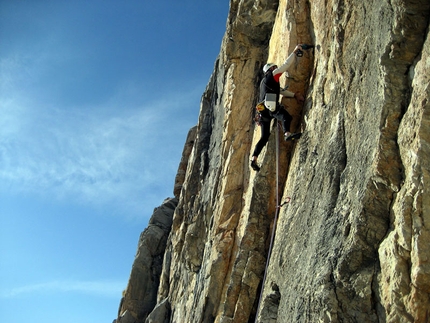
{"x":405,"y":252}
{"x":352,"y":246}
{"x":353,"y":243}
{"x":344,"y":250}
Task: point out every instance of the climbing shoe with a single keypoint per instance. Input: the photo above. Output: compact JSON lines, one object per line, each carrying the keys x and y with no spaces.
{"x":293,"y":136}
{"x":254,"y":165}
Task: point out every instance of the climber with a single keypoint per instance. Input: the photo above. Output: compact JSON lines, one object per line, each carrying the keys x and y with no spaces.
{"x":269,"y":106}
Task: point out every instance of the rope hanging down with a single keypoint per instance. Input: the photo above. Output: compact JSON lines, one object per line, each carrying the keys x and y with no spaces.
{"x":278,"y":206}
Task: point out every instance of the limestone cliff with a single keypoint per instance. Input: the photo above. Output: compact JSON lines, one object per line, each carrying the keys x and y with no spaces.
{"x":353,"y":244}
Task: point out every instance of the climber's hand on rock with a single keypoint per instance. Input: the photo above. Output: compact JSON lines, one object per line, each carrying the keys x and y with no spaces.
{"x":298,"y":49}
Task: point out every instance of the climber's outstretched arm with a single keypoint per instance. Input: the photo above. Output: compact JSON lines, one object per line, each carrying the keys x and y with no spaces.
{"x":281,"y":69}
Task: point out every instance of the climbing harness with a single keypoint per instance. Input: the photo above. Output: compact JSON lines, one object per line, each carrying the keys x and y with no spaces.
{"x":275,"y":220}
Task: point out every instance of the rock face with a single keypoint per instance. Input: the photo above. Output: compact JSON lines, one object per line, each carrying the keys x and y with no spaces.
{"x":353,"y":244}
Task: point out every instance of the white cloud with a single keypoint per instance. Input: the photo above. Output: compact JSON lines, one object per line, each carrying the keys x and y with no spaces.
{"x":99,"y":288}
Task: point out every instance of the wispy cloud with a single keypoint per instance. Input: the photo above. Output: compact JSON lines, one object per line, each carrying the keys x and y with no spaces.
{"x":93,"y":154}
{"x":122,"y":146}
{"x":54,"y":147}
{"x":99,"y":288}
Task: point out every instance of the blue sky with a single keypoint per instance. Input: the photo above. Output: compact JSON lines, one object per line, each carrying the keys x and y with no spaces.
{"x":96,"y":99}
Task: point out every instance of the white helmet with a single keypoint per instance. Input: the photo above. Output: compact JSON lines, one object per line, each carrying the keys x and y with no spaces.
{"x":267,"y":67}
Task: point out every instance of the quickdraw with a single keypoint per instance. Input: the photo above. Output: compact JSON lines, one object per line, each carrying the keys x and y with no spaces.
{"x":257,"y":118}
{"x":285,"y":202}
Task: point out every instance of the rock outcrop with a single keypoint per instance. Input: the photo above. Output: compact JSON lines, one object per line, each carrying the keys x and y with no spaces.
{"x":182,"y":169}
{"x":140,"y":296}
{"x":353,"y":244}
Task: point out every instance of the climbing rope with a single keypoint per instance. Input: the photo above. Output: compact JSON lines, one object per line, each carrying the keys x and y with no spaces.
{"x":275,"y":220}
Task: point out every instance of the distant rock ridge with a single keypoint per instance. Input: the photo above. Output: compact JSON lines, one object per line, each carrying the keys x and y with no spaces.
{"x":140,"y":296}
{"x":353,"y":243}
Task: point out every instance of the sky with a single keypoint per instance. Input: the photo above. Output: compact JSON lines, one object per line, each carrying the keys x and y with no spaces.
{"x":96,"y":99}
